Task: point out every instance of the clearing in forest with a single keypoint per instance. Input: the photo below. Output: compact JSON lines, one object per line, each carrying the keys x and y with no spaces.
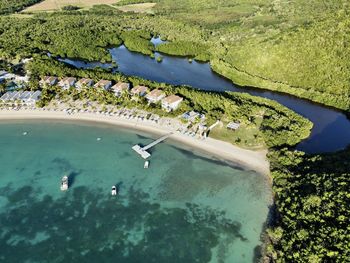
{"x":52,"y":5}
{"x":138,"y":8}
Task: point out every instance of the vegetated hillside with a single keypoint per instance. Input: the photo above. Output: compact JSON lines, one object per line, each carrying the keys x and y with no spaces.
{"x":71,"y":36}
{"x":312,"y":203}
{"x":297,"y":47}
{"x":12,"y":6}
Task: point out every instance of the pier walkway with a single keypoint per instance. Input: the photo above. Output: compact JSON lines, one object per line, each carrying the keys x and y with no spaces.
{"x":143,"y":150}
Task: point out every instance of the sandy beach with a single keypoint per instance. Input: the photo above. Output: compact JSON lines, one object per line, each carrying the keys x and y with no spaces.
{"x":254,"y":160}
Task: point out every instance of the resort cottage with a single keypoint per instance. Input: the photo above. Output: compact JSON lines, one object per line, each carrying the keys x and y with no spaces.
{"x":21,"y":97}
{"x":171,"y":102}
{"x":155,"y":95}
{"x":139,"y":91}
{"x":49,"y":81}
{"x":84,"y":83}
{"x":119,"y":88}
{"x":104,"y":84}
{"x":67,"y":82}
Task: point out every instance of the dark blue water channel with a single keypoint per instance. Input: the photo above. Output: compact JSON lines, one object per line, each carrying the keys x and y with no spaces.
{"x":331,"y":131}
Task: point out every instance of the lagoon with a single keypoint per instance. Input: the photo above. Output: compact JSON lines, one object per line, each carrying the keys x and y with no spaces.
{"x":331,"y":129}
{"x":186,"y":207}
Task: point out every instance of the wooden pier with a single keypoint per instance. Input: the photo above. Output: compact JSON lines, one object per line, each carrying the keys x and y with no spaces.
{"x":142,"y":151}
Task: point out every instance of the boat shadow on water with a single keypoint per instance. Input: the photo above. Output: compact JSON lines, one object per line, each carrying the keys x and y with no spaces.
{"x":71,"y":177}
{"x":118,"y":186}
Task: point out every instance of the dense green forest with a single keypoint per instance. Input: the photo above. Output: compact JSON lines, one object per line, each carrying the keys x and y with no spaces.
{"x":12,"y":6}
{"x":312,"y":201}
{"x":295,"y":47}
{"x":298,"y":47}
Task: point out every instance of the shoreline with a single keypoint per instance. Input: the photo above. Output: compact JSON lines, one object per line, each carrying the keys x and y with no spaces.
{"x":253,"y":160}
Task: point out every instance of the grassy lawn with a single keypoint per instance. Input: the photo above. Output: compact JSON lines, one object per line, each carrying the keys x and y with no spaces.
{"x":52,"y":5}
{"x":247,"y":136}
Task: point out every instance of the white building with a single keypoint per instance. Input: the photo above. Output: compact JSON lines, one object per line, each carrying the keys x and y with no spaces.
{"x":21,"y":97}
{"x":49,"y":81}
{"x":120,"y":87}
{"x":104,"y":84}
{"x":155,"y":95}
{"x":84,"y":83}
{"x":139,"y":91}
{"x":67,"y":82}
{"x":171,"y":102}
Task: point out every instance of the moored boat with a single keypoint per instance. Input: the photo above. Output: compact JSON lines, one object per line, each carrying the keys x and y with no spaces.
{"x":146,"y":165}
{"x":114,"y":190}
{"x":64,"y":183}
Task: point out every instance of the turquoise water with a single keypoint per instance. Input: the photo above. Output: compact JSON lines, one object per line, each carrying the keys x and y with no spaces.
{"x":184,"y":208}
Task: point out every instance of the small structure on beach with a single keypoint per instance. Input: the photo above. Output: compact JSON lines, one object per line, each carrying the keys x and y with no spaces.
{"x":84,"y":83}
{"x":104,"y":84}
{"x":4,"y":75}
{"x":49,"y":81}
{"x":233,"y":125}
{"x":171,"y":102}
{"x":155,"y":96}
{"x":139,"y":91}
{"x":67,"y":82}
{"x":192,"y":116}
{"x":119,"y":88}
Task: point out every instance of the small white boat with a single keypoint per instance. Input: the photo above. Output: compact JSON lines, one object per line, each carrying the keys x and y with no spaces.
{"x":25,"y":133}
{"x":114,"y":190}
{"x":146,"y":165}
{"x":64,"y":183}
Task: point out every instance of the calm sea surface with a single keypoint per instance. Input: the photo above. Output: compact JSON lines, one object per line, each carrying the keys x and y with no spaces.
{"x":184,"y":208}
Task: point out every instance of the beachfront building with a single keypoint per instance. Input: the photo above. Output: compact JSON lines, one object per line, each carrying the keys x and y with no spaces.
{"x":119,"y":88}
{"x":67,"y":82}
{"x":233,"y":125}
{"x":171,"y":103}
{"x":49,"y":81}
{"x":84,"y":83}
{"x":21,"y":97}
{"x":103,"y":84}
{"x":139,"y":91}
{"x":155,"y":96}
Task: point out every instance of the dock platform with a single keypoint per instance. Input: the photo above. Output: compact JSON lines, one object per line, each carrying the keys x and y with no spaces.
{"x":142,"y":151}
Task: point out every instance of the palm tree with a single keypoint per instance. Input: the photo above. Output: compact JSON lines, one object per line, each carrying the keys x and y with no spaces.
{"x":2,"y":88}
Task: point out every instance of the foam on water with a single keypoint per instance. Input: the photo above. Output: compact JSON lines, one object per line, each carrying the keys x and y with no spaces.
{"x":184,"y":208}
